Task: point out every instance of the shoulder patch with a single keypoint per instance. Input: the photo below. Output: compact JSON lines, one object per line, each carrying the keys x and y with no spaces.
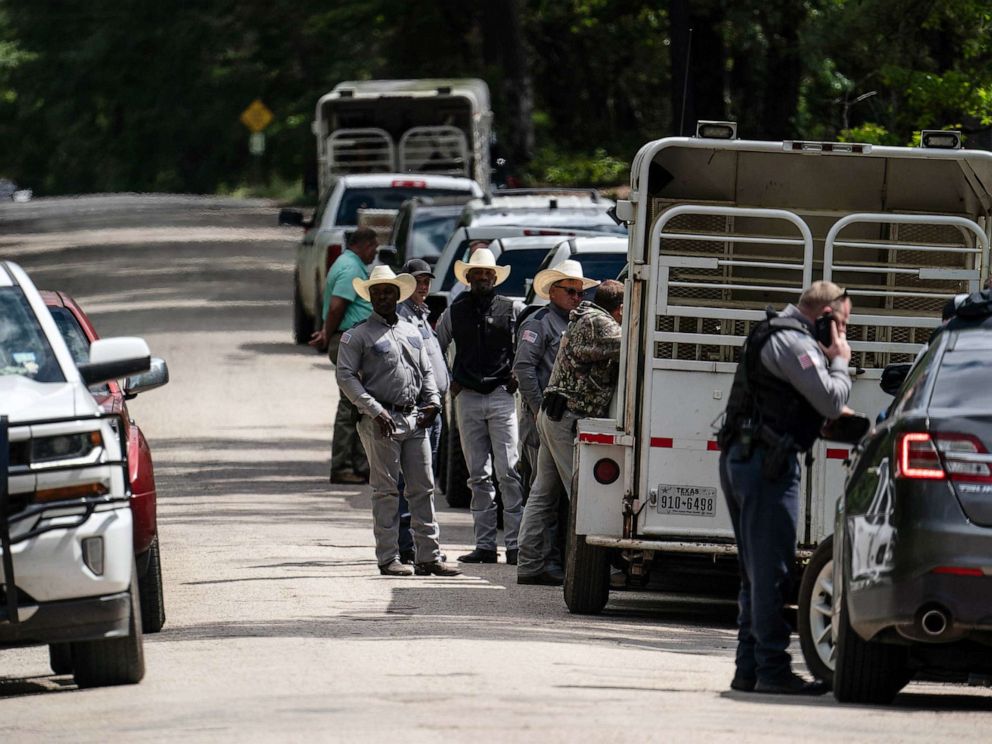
{"x":346,"y":337}
{"x":529,"y":336}
{"x":807,"y":360}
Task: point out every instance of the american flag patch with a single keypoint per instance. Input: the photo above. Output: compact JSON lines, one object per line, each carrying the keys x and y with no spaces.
{"x":805,"y":361}
{"x":530,"y":337}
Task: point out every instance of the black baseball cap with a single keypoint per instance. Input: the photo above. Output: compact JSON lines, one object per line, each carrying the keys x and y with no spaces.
{"x":418,"y":267}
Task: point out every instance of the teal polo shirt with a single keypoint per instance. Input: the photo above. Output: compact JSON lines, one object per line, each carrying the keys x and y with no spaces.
{"x":347,"y":267}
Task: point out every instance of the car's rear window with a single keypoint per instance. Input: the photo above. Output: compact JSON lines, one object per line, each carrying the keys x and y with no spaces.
{"x":963,"y":380}
{"x":72,"y":333}
{"x":523,"y":266}
{"x":24,"y":348}
{"x":563,"y":219}
{"x":430,"y":234}
{"x":601,"y":266}
{"x":382,"y":198}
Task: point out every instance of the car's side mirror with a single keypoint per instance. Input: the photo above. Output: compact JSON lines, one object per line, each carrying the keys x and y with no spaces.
{"x":387,"y":254}
{"x":292,"y":217}
{"x":893,"y":376}
{"x":847,"y":429}
{"x":113,"y":358}
{"x":156,"y":376}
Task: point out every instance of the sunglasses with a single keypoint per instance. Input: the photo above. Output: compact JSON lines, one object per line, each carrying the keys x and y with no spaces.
{"x":570,"y":291}
{"x":842,"y":296}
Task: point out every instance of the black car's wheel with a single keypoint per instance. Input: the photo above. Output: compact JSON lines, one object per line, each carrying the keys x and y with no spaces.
{"x":587,"y":572}
{"x":302,"y":323}
{"x":867,"y":671}
{"x":150,"y":589}
{"x":456,"y":490}
{"x":113,"y":661}
{"x":60,"y":658}
{"x":816,"y":595}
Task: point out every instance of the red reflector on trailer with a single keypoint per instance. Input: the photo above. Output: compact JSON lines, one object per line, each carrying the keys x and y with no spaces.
{"x":713,"y":446}
{"x":666,"y":442}
{"x":409,"y":184}
{"x":836,"y":454}
{"x":958,"y":571}
{"x":596,"y":438}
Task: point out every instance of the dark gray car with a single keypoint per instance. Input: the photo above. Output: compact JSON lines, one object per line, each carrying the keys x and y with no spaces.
{"x":913,"y":537}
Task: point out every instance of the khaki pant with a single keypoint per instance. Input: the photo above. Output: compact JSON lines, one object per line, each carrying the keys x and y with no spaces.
{"x":347,"y":452}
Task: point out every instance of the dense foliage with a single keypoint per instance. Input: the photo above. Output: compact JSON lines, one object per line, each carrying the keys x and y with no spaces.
{"x":110,"y":95}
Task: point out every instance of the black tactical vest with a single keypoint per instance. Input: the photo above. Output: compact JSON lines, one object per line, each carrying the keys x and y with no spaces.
{"x":765,"y":399}
{"x":483,"y":337}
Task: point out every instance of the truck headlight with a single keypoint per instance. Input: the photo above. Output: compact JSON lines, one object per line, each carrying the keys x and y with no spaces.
{"x":64,"y":446}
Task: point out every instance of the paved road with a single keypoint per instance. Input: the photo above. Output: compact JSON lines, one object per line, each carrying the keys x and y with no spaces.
{"x":279,"y":627}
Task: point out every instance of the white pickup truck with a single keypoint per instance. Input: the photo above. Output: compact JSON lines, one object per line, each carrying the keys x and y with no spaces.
{"x":719,"y":230}
{"x":336,"y":217}
{"x":68,"y":568}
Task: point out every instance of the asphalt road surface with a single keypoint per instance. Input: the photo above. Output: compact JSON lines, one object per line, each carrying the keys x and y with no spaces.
{"x":279,"y":627}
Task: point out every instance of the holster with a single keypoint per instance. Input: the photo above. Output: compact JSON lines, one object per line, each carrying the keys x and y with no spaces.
{"x":781,"y":449}
{"x":554,"y":405}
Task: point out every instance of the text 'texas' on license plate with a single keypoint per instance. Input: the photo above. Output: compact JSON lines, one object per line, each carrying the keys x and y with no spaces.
{"x":690,"y":501}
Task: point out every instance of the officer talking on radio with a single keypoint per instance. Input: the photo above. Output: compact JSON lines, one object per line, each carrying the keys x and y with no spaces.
{"x":792,"y":378}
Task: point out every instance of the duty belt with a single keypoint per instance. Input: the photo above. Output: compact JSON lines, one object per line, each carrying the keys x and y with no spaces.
{"x":405,"y":410}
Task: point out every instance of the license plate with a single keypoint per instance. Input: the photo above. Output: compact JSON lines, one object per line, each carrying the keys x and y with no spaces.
{"x":688,"y":501}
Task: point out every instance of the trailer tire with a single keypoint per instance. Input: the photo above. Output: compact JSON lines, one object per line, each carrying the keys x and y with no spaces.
{"x":815,"y":602}
{"x":113,"y":661}
{"x":302,"y":323}
{"x":867,"y":671}
{"x":587,"y":572}
{"x":60,"y":658}
{"x":150,"y":589}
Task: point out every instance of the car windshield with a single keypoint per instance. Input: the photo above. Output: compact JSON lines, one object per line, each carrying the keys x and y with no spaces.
{"x":430,"y":233}
{"x":387,"y":197}
{"x":962,"y":380}
{"x":24,"y":349}
{"x":523,"y":265}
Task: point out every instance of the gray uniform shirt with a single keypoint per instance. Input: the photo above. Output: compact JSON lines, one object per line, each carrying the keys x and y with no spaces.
{"x":383,"y":363}
{"x":538,"y":340}
{"x":417,"y":314}
{"x":796,"y":358}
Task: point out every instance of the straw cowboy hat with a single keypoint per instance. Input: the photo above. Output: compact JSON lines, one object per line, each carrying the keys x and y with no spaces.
{"x":567,"y":269}
{"x":482,"y":259}
{"x":405,"y":283}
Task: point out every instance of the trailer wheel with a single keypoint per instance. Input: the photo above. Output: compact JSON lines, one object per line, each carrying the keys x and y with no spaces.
{"x":150,"y":588}
{"x":587,"y":572}
{"x":867,"y":671}
{"x":302,"y":324}
{"x":113,"y":661}
{"x":816,"y":594}
{"x":60,"y":658}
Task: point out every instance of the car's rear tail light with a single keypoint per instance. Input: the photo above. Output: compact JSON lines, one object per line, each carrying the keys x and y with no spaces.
{"x":958,"y":571}
{"x":333,"y":251}
{"x":958,"y":457}
{"x":917,"y":457}
{"x":606,"y":471}
{"x":409,"y":184}
{"x":965,"y":457}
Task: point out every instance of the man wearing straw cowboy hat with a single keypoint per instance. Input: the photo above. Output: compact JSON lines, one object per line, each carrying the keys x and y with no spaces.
{"x":538,"y":340}
{"x":480,"y":323}
{"x":384,"y":369}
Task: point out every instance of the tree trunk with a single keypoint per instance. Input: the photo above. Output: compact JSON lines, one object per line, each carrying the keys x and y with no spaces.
{"x":504,"y":46}
{"x":697,"y":65}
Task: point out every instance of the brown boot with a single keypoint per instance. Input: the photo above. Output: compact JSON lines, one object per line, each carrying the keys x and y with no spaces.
{"x":395,"y":568}
{"x":436,"y":568}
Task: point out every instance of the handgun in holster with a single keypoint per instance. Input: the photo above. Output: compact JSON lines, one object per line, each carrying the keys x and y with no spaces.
{"x":781,"y":451}
{"x":554,"y":404}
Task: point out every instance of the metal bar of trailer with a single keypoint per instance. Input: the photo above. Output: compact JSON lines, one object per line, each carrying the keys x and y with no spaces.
{"x":664,"y":546}
{"x":714,"y":313}
{"x":10,"y":587}
{"x":894,"y":293}
{"x":752,"y":287}
{"x":932,"y":248}
{"x":714,"y":339}
{"x":729,"y":238}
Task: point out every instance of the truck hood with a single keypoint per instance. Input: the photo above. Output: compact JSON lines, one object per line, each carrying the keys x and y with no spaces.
{"x":23,"y":399}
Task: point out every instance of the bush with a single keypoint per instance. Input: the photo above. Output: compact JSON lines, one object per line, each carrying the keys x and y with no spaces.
{"x":556,"y":168}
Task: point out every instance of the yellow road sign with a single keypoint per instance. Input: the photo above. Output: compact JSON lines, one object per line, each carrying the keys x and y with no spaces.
{"x":257,"y":116}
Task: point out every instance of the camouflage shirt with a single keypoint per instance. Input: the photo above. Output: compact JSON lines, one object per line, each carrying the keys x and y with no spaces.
{"x":586,"y":367}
